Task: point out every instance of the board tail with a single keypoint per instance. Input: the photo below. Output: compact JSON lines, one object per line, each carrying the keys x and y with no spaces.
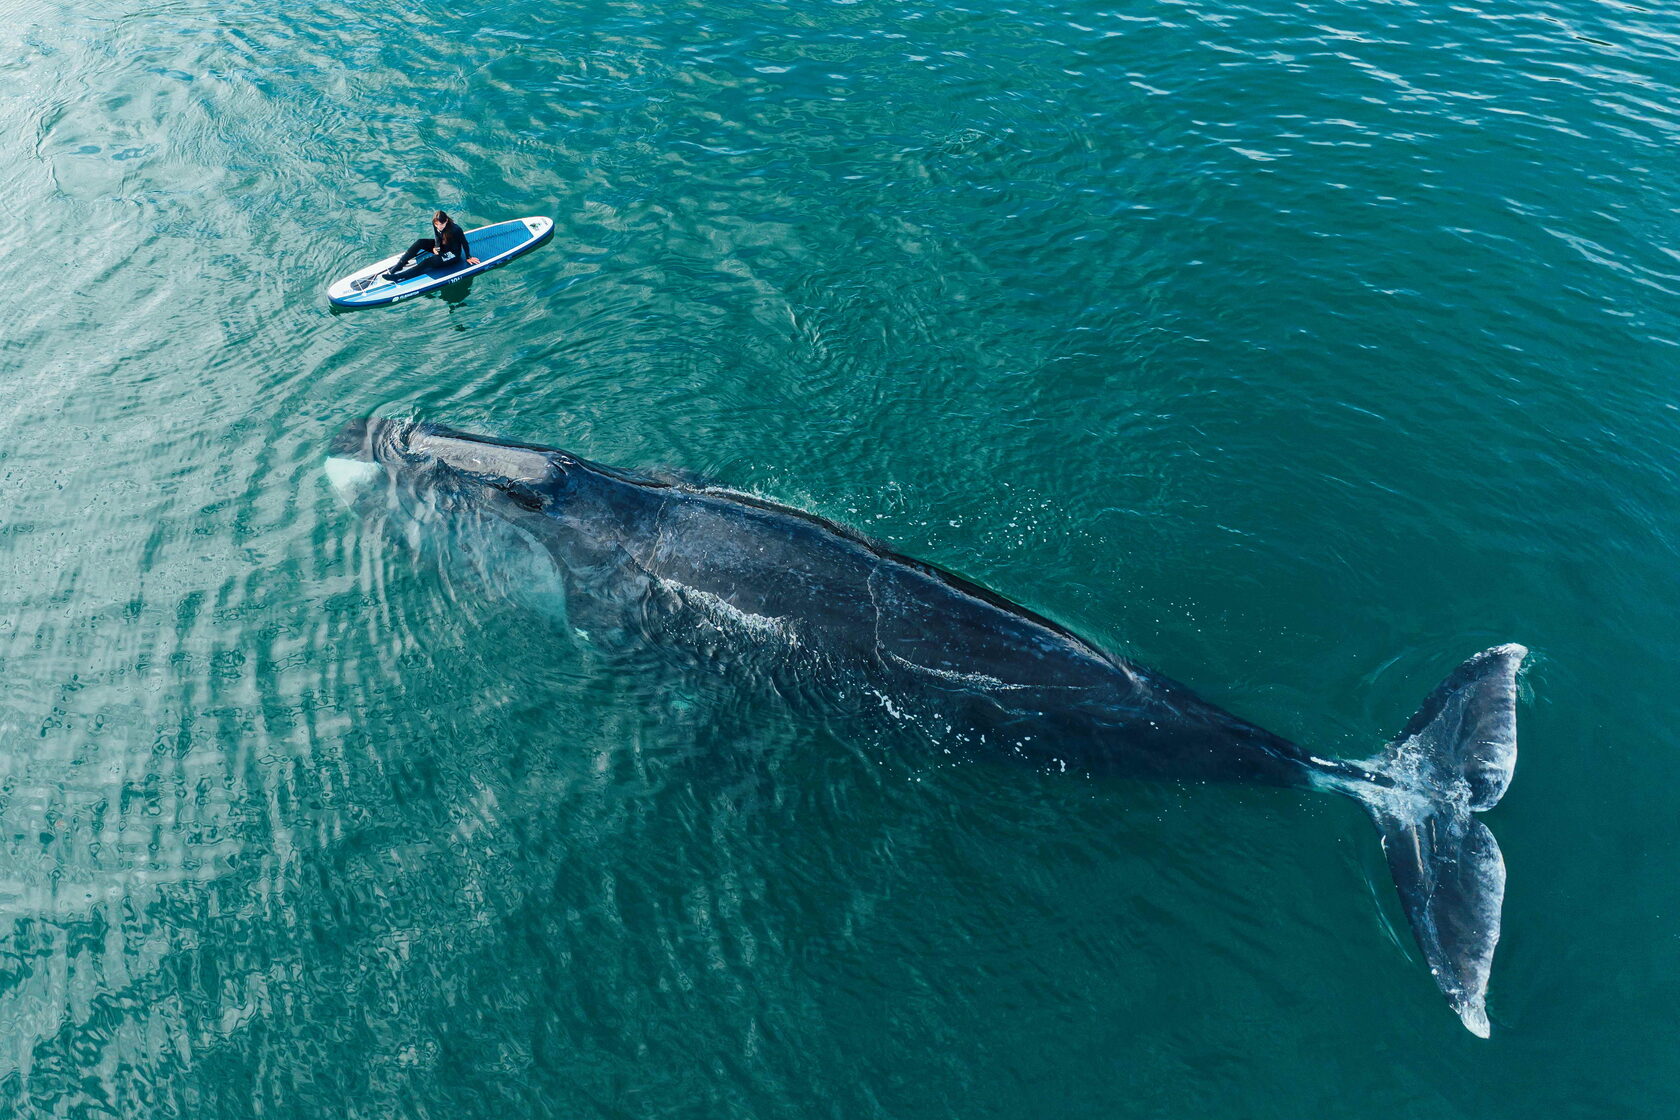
{"x":1454,"y":758}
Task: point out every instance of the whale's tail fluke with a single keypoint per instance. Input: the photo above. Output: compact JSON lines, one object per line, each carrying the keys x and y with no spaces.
{"x":1454,"y":758}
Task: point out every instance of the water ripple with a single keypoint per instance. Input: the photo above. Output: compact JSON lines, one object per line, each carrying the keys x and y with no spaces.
{"x":1298,"y":349}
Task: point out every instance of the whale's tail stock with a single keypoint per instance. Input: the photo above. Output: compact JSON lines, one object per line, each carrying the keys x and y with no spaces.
{"x":1454,"y":759}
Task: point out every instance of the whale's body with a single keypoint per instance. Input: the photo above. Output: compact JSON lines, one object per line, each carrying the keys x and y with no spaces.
{"x":853,"y":628}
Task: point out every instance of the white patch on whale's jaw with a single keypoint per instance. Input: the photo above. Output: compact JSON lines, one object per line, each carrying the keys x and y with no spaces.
{"x":351,"y":476}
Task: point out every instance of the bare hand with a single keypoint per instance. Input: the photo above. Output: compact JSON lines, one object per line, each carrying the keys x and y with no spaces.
{"x":472,"y":260}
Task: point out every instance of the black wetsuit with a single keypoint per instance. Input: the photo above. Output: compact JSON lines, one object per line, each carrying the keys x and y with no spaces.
{"x":450,"y":247}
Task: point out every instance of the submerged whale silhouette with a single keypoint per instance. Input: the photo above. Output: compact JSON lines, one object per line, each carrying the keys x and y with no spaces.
{"x":678,"y":563}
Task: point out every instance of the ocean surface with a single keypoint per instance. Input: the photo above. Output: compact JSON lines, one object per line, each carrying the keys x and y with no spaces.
{"x":1297,"y":350}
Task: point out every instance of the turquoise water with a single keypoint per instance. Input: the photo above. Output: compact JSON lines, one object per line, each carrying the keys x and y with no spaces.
{"x":1297,"y":350}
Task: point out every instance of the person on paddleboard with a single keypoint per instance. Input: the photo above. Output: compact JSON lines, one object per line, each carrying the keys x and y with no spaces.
{"x":448,"y":247}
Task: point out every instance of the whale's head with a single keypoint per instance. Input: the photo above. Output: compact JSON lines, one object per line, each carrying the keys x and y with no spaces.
{"x":383,"y":466}
{"x":529,"y":521}
{"x":505,"y":511}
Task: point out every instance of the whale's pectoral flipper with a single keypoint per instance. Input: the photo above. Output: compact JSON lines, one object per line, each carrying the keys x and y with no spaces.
{"x":1453,"y":759}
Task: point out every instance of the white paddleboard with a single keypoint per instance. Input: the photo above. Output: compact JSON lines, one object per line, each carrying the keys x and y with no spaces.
{"x":493,"y":245}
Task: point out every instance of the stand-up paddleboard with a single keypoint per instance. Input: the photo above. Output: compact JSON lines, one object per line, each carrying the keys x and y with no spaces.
{"x":494,"y":246}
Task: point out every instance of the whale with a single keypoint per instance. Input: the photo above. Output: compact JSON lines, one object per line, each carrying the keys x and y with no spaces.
{"x":850,"y":629}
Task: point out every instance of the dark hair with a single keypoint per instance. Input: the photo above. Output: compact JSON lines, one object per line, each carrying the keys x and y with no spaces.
{"x":440,"y":216}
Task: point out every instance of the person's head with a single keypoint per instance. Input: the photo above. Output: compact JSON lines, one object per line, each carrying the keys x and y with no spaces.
{"x":439,"y":221}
